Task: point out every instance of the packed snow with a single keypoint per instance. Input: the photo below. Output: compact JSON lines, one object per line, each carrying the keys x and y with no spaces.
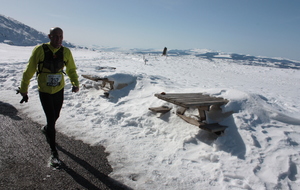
{"x":259,"y":149}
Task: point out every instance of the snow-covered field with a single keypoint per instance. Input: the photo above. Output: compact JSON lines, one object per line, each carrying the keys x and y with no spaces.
{"x":259,"y":150}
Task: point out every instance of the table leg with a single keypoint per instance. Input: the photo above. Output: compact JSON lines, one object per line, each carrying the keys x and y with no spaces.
{"x":201,"y":111}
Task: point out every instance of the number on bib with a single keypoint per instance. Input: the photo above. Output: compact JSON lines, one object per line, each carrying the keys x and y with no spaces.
{"x":53,"y":80}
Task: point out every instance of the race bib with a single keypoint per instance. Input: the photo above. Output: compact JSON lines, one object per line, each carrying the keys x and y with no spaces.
{"x":54,"y":80}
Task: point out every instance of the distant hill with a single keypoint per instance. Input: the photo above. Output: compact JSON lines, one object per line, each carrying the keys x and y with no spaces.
{"x":214,"y":56}
{"x":16,"y":33}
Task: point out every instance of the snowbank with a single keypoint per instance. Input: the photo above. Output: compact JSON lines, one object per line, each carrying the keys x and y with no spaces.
{"x":260,"y":147}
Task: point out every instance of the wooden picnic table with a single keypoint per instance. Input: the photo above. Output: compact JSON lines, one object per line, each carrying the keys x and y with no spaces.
{"x":200,"y":101}
{"x":191,"y":100}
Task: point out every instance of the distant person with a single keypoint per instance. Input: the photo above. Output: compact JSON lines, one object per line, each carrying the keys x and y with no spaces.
{"x":48,"y":61}
{"x":165,"y":51}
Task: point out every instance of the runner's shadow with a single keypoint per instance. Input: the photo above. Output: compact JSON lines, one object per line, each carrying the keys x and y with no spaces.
{"x":9,"y":110}
{"x":78,"y":178}
{"x":108,"y":181}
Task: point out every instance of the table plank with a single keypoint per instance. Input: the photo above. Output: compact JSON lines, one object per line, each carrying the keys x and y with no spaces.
{"x":191,"y":99}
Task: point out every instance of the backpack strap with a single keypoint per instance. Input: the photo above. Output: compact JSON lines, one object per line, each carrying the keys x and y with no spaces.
{"x":48,"y":55}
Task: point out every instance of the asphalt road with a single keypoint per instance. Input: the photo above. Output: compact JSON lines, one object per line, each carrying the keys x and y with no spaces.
{"x":24,"y":157}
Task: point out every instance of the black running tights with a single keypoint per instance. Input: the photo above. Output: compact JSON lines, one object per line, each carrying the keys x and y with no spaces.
{"x":52,"y":104}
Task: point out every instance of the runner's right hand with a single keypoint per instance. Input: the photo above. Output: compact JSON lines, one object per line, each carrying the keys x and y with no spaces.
{"x":24,"y":95}
{"x":24,"y":99}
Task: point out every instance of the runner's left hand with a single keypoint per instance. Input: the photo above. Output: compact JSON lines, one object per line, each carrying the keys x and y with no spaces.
{"x":75,"y":89}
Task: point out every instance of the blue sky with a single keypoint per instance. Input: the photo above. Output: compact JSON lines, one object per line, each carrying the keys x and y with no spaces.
{"x":257,"y":27}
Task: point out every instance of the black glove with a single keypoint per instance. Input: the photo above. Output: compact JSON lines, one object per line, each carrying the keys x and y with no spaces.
{"x":25,"y":97}
{"x":18,"y":91}
{"x":75,"y":89}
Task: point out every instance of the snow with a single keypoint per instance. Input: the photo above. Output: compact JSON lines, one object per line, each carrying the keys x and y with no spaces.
{"x":260,"y":147}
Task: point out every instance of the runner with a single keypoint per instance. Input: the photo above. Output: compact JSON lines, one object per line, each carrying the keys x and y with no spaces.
{"x":48,"y":61}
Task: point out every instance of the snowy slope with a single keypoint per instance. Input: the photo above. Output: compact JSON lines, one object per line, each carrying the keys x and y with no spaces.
{"x":16,"y":33}
{"x":259,"y":150}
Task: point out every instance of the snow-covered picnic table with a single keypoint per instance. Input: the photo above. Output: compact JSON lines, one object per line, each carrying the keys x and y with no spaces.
{"x":202,"y":102}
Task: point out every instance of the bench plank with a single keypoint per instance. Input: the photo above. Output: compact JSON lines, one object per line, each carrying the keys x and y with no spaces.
{"x":161,"y":109}
{"x":189,"y":120}
{"x":213,"y":127}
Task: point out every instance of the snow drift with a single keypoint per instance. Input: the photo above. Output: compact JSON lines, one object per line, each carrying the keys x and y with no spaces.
{"x":260,"y":147}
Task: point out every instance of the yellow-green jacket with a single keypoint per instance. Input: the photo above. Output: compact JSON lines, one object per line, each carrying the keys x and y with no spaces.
{"x":43,"y":76}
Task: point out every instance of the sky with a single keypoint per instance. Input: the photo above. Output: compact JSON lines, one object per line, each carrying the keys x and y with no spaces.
{"x":268,"y":28}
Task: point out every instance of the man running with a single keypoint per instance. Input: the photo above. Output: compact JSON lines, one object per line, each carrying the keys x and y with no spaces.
{"x":48,"y":61}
